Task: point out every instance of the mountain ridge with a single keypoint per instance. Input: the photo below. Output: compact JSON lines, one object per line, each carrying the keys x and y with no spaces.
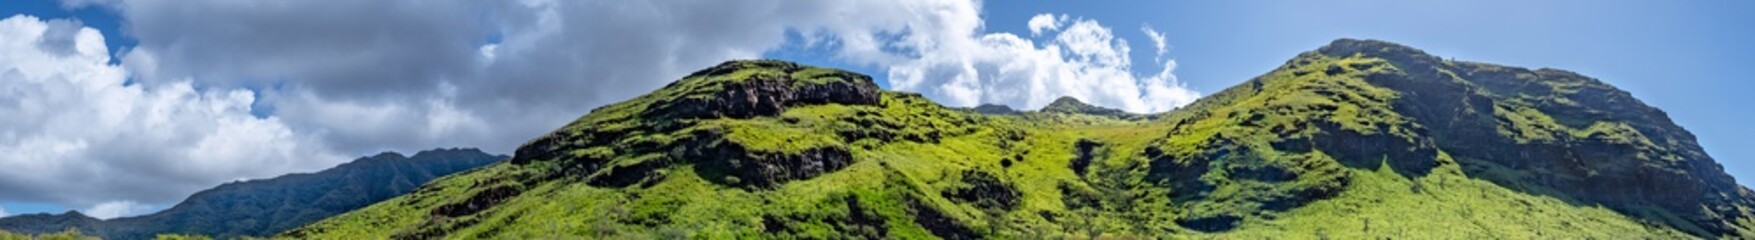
{"x":262,"y":207}
{"x":1356,"y":139}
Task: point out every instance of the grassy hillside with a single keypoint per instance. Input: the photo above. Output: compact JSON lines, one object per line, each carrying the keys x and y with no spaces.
{"x":1358,"y":139}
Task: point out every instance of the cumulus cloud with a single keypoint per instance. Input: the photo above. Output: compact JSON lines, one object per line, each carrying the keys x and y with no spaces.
{"x":1043,"y":22}
{"x":354,"y":77}
{"x":1084,"y":59}
{"x":3,"y":212}
{"x":78,"y":134}
{"x":116,"y":209}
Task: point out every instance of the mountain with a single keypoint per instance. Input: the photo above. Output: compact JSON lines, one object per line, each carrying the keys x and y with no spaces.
{"x":1070,"y":105}
{"x":265,"y":207}
{"x":993,"y":109}
{"x":1357,"y":139}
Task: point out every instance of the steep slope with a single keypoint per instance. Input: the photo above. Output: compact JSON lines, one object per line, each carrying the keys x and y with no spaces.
{"x":1358,"y":139}
{"x":265,"y":207}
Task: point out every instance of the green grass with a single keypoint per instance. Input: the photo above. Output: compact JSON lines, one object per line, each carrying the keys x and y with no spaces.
{"x":910,"y":155}
{"x":1444,"y":205}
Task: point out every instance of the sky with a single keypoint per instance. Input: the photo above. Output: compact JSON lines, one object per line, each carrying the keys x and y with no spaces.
{"x":124,"y":107}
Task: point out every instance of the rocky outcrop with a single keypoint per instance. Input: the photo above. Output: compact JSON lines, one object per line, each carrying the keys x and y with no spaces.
{"x":734,"y":89}
{"x":731,"y":90}
{"x":478,"y":202}
{"x":1631,"y":156}
{"x":1182,"y":174}
{"x":936,"y":222}
{"x":765,"y":94}
{"x":743,"y":168}
{"x":860,"y":222}
{"x":984,"y":190}
{"x":1211,"y":223}
{"x":1411,"y":157}
{"x":1086,"y":152}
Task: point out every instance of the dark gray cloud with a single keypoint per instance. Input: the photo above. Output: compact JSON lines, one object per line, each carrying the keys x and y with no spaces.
{"x":341,"y":49}
{"x":404,"y":75}
{"x":77,"y":136}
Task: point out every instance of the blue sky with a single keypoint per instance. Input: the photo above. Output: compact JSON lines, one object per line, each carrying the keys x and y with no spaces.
{"x":1684,"y":58}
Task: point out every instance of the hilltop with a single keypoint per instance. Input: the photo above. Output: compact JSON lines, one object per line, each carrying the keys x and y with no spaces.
{"x":1357,"y":139}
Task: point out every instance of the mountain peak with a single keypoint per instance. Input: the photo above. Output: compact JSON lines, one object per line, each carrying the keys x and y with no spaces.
{"x":388,"y":155}
{"x":689,"y":121}
{"x":465,"y":152}
{"x":1347,"y":46}
{"x":1067,"y":104}
{"x":74,"y":213}
{"x":730,"y":66}
{"x":1066,"y":100}
{"x":748,"y":88}
{"x":1070,"y":105}
{"x":989,"y":108}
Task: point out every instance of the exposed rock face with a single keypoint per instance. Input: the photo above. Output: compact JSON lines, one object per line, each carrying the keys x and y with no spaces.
{"x":938,"y":223}
{"x":760,"y":88}
{"x":859,"y":222}
{"x":739,"y":167}
{"x":475,"y":203}
{"x":1594,"y":142}
{"x":985,"y":191}
{"x":765,"y":94}
{"x":731,"y":90}
{"x":1087,"y":152}
{"x":1408,"y":156}
{"x":1211,"y":224}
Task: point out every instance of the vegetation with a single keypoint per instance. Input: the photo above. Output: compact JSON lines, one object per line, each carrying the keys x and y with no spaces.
{"x":1359,"y":139}
{"x":68,"y":234}
{"x":75,"y":234}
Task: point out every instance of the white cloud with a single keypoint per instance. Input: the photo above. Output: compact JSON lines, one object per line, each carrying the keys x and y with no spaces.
{"x":1084,"y":60}
{"x":1043,"y":22}
{"x":116,"y":209}
{"x":3,"y":212}
{"x":1157,"y":41}
{"x":79,"y":133}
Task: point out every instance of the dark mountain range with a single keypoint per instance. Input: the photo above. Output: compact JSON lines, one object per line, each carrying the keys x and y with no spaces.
{"x":265,"y":207}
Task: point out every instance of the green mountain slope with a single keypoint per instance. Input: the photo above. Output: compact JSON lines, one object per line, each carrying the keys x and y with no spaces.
{"x":265,"y":207}
{"x":1357,"y":139}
